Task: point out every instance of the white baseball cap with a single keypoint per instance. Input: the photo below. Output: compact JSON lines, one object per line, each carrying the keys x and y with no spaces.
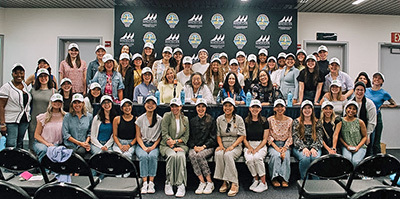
{"x":263,"y":51}
{"x":151,"y":97}
{"x":77,"y":97}
{"x":94,"y":85}
{"x":202,"y":50}
{"x":42,"y":71}
{"x":334,"y":60}
{"x":167,"y":49}
{"x":73,"y":45}
{"x":43,"y":59}
{"x":125,"y":100}
{"x":137,"y":55}
{"x":282,"y":55}
{"x":252,"y":57}
{"x":187,"y":60}
{"x":255,"y":103}
{"x":124,"y":56}
{"x":311,"y":57}
{"x":307,"y":102}
{"x":229,"y":100}
{"x":105,"y":97}
{"x":201,"y":101}
{"x":148,"y":45}
{"x":272,"y":57}
{"x":240,"y":53}
{"x":177,"y":50}
{"x":175,"y":101}
{"x":107,"y":57}
{"x":336,"y":83}
{"x":279,"y":101}
{"x":216,"y":59}
{"x":100,"y":47}
{"x":380,"y":74}
{"x":233,"y":61}
{"x":326,"y":103}
{"x":301,"y":51}
{"x":290,"y":55}
{"x":146,"y":70}
{"x":56,"y":97}
{"x":351,"y":102}
{"x":65,"y":80}
{"x":223,"y":55}
{"x":322,"y":47}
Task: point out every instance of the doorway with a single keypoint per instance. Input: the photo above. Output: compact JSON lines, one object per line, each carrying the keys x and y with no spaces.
{"x":337,"y":49}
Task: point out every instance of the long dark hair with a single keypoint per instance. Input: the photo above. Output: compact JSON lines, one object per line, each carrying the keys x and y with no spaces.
{"x":37,"y":85}
{"x":301,"y":128}
{"x":93,"y":99}
{"x":368,"y":85}
{"x":315,"y":74}
{"x":77,"y":61}
{"x":102,"y":116}
{"x":236,"y":88}
{"x":269,"y":86}
{"x":173,"y":64}
{"x":61,"y":91}
{"x":249,"y":118}
{"x":151,"y":58}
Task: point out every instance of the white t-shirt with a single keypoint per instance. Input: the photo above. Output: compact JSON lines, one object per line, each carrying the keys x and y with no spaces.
{"x":178,"y":127}
{"x":201,"y":68}
{"x":182,"y":78}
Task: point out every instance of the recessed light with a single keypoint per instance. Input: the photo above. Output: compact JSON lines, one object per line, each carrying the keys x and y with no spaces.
{"x":358,"y":2}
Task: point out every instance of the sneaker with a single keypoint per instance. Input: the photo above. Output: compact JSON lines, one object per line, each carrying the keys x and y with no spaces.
{"x":254,"y":185}
{"x":261,"y":187}
{"x":168,"y":189}
{"x":209,"y":188}
{"x":181,"y":191}
{"x":201,"y":187}
{"x":144,"y":188}
{"x":150,"y":187}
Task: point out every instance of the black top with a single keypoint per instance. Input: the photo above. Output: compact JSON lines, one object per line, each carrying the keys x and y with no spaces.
{"x":309,"y":85}
{"x":129,"y":83}
{"x":126,"y":129}
{"x":24,"y":118}
{"x":323,"y":67}
{"x":66,"y":104}
{"x":249,"y":83}
{"x":203,"y":131}
{"x":328,"y":133}
{"x":255,"y":130}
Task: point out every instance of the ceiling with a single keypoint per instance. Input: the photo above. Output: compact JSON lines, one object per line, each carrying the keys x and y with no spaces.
{"x":380,"y":7}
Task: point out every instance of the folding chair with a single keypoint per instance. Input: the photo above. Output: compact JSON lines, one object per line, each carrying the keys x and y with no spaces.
{"x":8,"y":190}
{"x":378,"y":192}
{"x":62,"y":190}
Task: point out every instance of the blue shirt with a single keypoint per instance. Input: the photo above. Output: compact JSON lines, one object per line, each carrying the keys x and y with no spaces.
{"x":117,"y":82}
{"x":79,"y":129}
{"x":237,"y":97}
{"x":91,"y":70}
{"x":143,"y":90}
{"x":378,"y":97}
{"x":105,"y":131}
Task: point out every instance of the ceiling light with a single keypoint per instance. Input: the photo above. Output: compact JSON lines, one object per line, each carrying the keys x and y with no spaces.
{"x":358,"y":2}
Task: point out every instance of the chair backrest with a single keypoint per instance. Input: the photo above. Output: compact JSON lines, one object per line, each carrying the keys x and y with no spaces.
{"x":8,"y":190}
{"x":63,"y":191}
{"x":378,"y":165}
{"x":381,"y":192}
{"x":332,"y":166}
{"x":113,"y":163}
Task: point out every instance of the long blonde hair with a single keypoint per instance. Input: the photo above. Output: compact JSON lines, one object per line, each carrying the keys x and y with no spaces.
{"x":339,"y":97}
{"x":164,"y":79}
{"x":103,"y":69}
{"x":49,"y":113}
{"x":322,"y":117}
{"x":246,"y":71}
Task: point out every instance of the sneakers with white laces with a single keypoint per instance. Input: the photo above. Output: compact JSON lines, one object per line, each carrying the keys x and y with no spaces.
{"x":201,"y":187}
{"x":261,"y":187}
{"x":254,"y":185}
{"x":181,"y":191}
{"x":168,"y":189}
{"x":209,"y":188}
{"x":144,"y":188}
{"x":150,"y":187}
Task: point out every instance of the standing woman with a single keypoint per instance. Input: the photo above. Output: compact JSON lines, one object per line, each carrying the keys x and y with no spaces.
{"x":215,"y":77}
{"x":75,"y":69}
{"x":66,"y":91}
{"x":378,"y":95}
{"x":262,"y":58}
{"x":310,"y":81}
{"x":279,"y":140}
{"x":146,"y":88}
{"x":255,"y":145}
{"x":224,"y":62}
{"x":289,"y":81}
{"x":173,"y":147}
{"x":336,"y":74}
{"x":169,"y":88}
{"x":335,"y":96}
{"x":148,"y":55}
{"x":124,"y":130}
{"x":176,"y":61}
{"x":301,"y":59}
{"x":232,"y":89}
{"x":363,"y":77}
{"x":234,"y":68}
{"x":133,"y":76}
{"x":231,"y":132}
{"x":202,"y":141}
{"x":94,"y":65}
{"x":241,"y":58}
{"x":250,"y":72}
{"x":42,"y":63}
{"x":307,"y":137}
{"x":161,"y":65}
{"x":15,"y":108}
{"x":273,"y":71}
{"x":196,"y":88}
{"x":328,"y":125}
{"x":93,"y":97}
{"x":148,"y":131}
{"x":203,"y":65}
{"x":184,"y":75}
{"x":124,"y":66}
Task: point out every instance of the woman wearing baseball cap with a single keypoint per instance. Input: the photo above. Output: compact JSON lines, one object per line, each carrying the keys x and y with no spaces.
{"x":93,"y":66}
{"x":289,"y":82}
{"x":161,"y":65}
{"x":146,"y":88}
{"x":250,"y":72}
{"x":262,"y":59}
{"x":336,"y":97}
{"x":133,"y":76}
{"x":75,"y":69}
{"x":203,"y":65}
{"x":336,"y":74}
{"x":224,"y":62}
{"x":301,"y":59}
{"x":93,"y":96}
{"x":310,"y":81}
{"x":66,"y":91}
{"x":214,"y":77}
{"x":177,"y":60}
{"x":328,"y":124}
{"x":42,"y":63}
{"x":148,"y":54}
{"x":184,"y":75}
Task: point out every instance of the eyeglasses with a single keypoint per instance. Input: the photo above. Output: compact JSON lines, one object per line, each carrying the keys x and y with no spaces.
{"x":228,"y":128}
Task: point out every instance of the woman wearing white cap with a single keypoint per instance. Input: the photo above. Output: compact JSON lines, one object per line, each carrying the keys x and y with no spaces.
{"x":173,"y":147}
{"x":255,"y":145}
{"x":262,"y":59}
{"x":336,"y":74}
{"x":133,"y":76}
{"x":307,"y":137}
{"x":232,"y":89}
{"x":241,"y":58}
{"x":75,"y":69}
{"x":234,"y":68}
{"x":214,"y":77}
{"x":196,"y":88}
{"x":41,"y":93}
{"x":310,"y":81}
{"x":328,"y":124}
{"x":66,"y":91}
{"x":48,"y":130}
{"x":279,"y":141}
{"x":323,"y":59}
{"x":224,"y":62}
{"x":336,"y":97}
{"x":353,"y":134}
{"x":101,"y":138}
{"x":93,"y":66}
{"x":94,"y":96}
{"x":159,"y":66}
{"x":42,"y":63}
{"x":289,"y":83}
{"x":250,"y":72}
{"x":281,"y":60}
{"x":231,"y":131}
{"x":301,"y":59}
{"x":76,"y":126}
{"x":124,"y":66}
{"x":169,"y":87}
{"x":184,"y":75}
{"x":274,"y":71}
{"x":148,"y":136}
{"x":124,"y":130}
{"x":148,"y":54}
{"x":146,"y":88}
{"x":203,"y":65}
{"x":264,"y":90}
{"x":176,"y":61}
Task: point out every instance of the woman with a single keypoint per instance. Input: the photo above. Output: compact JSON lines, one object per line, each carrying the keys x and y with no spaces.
{"x":146,"y":88}
{"x":264,"y":90}
{"x":66,"y":91}
{"x":214,"y":77}
{"x":328,"y":123}
{"x":176,"y":62}
{"x":133,"y":76}
{"x":184,"y":75}
{"x":255,"y":146}
{"x":289,"y":83}
{"x":281,"y":60}
{"x":203,"y":65}
{"x":148,"y":131}
{"x":94,"y":65}
{"x":301,"y":59}
{"x":15,"y":108}
{"x":336,"y":74}
{"x":75,"y":69}
{"x":224,"y":62}
{"x":169,"y":88}
{"x":124,"y":130}
{"x":353,"y":134}
{"x":378,"y":95}
{"x":42,"y":63}
{"x":196,"y":88}
{"x":250,"y":73}
{"x":363,"y":77}
{"x":49,"y":128}
{"x":273,"y":71}
{"x":232,"y":89}
{"x":307,"y":137}
{"x":262,"y":58}
{"x":234,"y":68}
{"x":310,"y":81}
{"x":335,"y":96}
{"x":109,"y":79}
{"x":241,"y":58}
{"x":279,"y":141}
{"x":202,"y":142}
{"x":231,"y":131}
{"x":101,"y":133}
{"x":76,"y":126}
{"x":148,"y":54}
{"x":173,"y":147}
{"x":161,"y":65}
{"x":93,"y":97}
{"x":124,"y":65}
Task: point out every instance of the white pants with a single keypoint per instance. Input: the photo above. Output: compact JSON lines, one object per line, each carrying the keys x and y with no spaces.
{"x":255,"y":162}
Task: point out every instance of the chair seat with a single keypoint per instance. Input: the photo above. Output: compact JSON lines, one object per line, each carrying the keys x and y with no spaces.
{"x":322,"y":189}
{"x":83,"y":181}
{"x":30,"y":186}
{"x":388,"y":181}
{"x":360,"y":185}
{"x":7,"y":176}
{"x":116,"y":186}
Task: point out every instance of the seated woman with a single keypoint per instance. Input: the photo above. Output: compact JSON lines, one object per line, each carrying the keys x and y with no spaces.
{"x":310,"y":81}
{"x":232,"y":89}
{"x":124,"y":130}
{"x":196,"y":88}
{"x":173,"y":147}
{"x":148,"y":131}
{"x":101,"y":133}
{"x":231,"y":131}
{"x":336,"y":74}
{"x":49,"y":127}
{"x":328,"y":124}
{"x":307,"y":137}
{"x":335,"y":97}
{"x":279,"y":140}
{"x":264,"y":90}
{"x":146,"y":88}
{"x":93,"y":96}
{"x":255,"y":145}
{"x":353,"y":134}
{"x":169,"y":87}
{"x":202,"y":141}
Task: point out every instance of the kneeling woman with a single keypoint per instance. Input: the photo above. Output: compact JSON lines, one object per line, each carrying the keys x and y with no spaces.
{"x":230,"y":134}
{"x":124,"y":130}
{"x":175,"y":135}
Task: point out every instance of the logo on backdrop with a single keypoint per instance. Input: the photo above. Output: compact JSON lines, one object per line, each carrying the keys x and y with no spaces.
{"x":217,"y":20}
{"x":127,"y":39}
{"x":127,"y":19}
{"x":194,"y":39}
{"x":262,"y":21}
{"x":240,"y":22}
{"x":285,"y":23}
{"x":195,"y":21}
{"x":263,"y":42}
{"x":172,"y":19}
{"x":285,"y":41}
{"x":172,"y":40}
{"x":149,"y":37}
{"x":150,"y":21}
{"x":218,"y":41}
{"x":240,"y":40}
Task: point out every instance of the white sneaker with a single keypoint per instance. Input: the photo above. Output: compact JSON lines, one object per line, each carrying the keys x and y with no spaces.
{"x":261,"y":187}
{"x":201,"y":187}
{"x":254,"y":185}
{"x":150,"y":188}
{"x":168,"y":189}
{"x":181,"y":191}
{"x":144,"y":188}
{"x":209,"y":188}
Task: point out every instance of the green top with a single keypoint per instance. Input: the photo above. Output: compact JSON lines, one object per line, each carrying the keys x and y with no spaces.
{"x":351,"y":132}
{"x":168,"y":130}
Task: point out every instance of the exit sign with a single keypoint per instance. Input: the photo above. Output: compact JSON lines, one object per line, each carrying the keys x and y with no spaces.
{"x":395,"y":37}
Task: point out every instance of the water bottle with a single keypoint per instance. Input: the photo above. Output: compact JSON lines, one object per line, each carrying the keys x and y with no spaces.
{"x":290,"y":99}
{"x":199,"y":96}
{"x":248,"y":98}
{"x":183,"y":96}
{"x":157,"y":95}
{"x":2,"y":142}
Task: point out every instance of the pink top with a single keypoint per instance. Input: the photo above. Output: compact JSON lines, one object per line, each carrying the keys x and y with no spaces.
{"x":77,"y":75}
{"x":52,"y":130}
{"x":280,"y":131}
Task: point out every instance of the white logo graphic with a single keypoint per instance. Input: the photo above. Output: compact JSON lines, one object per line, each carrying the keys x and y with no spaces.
{"x":218,"y":38}
{"x":217,"y":20}
{"x":150,"y":21}
{"x":263,"y":38}
{"x":286,"y":19}
{"x":151,"y":16}
{"x":240,"y":22}
{"x":196,"y":18}
{"x":172,"y":40}
{"x":127,"y":39}
{"x":241,"y":19}
{"x":285,"y":23}
{"x":128,"y":36}
{"x":195,"y":21}
{"x":263,"y":42}
{"x":218,"y":41}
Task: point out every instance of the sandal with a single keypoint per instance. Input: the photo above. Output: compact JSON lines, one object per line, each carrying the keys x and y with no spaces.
{"x":234,"y":190}
{"x":224,"y":187}
{"x":276,"y":183}
{"x":285,"y":184}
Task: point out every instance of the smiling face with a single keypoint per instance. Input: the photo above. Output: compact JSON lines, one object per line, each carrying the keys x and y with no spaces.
{"x":231,"y":80}
{"x":281,"y":62}
{"x":127,"y":108}
{"x":100,"y":53}
{"x":150,"y":106}
{"x":18,"y":76}
{"x":124,"y":63}
{"x":148,"y":51}
{"x":169,"y":76}
{"x":214,"y":67}
{"x":363,"y":79}
{"x":334,"y":68}
{"x":138,"y":62}
{"x":201,"y":110}
{"x":203,"y":56}
{"x":166,"y":55}
{"x":178,"y":56}
{"x":228,"y":108}
{"x":377,"y":80}
{"x":106,"y":105}
{"x":78,"y":106}
{"x":56,"y":105}
{"x":234,"y":67}
{"x":73,"y":53}
{"x":196,"y":81}
{"x":335,"y":89}
{"x":252,"y":65}
{"x":175,"y":109}
{"x":66,"y":86}
{"x":255,"y":110}
{"x":301,"y":56}
{"x":95,"y":92}
{"x":289,"y":61}
{"x":263,"y":77}
{"x":187,"y":66}
{"x":359,"y":92}
{"x":311,"y":64}
{"x":43,"y":79}
{"x":125,"y":49}
{"x":307,"y":111}
{"x":351,"y":111}
{"x":262,"y":57}
{"x":328,"y":110}
{"x":271,"y":64}
{"x":279,"y":109}
{"x":240,"y":59}
{"x":323,"y":54}
{"x":223,"y":60}
{"x":43,"y":64}
{"x":109,"y":65}
{"x":147,"y":77}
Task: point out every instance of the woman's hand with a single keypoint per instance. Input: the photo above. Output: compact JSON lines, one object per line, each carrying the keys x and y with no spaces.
{"x":331,"y":151}
{"x":198,"y":148}
{"x":171,"y":142}
{"x":176,"y":149}
{"x":125,"y":148}
{"x":104,"y":148}
{"x":230,"y":148}
{"x":250,"y":150}
{"x":220,"y":148}
{"x":306,"y":152}
{"x":314,"y":152}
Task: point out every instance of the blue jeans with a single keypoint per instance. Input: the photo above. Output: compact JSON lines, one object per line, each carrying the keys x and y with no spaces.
{"x":304,"y":161}
{"x":95,"y":149}
{"x":40,"y":149}
{"x":15,"y":134}
{"x":128,"y":153}
{"x":356,"y":157}
{"x":147,"y":161}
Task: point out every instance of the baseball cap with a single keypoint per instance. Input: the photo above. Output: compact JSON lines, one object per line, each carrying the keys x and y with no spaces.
{"x":42,"y":71}
{"x":105,"y":97}
{"x":124,"y":56}
{"x":94,"y":85}
{"x":263,"y":51}
{"x":187,"y":60}
{"x":322,"y":47}
{"x":301,"y":51}
{"x":282,"y":55}
{"x":351,"y":102}
{"x":137,"y":55}
{"x":151,"y":97}
{"x":167,"y":49}
{"x":77,"y":97}
{"x":146,"y":70}
{"x":229,"y":100}
{"x":65,"y":80}
{"x":307,"y":102}
{"x":125,"y":100}
{"x":223,"y":55}
{"x":175,"y":101}
{"x":326,"y":103}
{"x":107,"y":57}
{"x":177,"y":50}
{"x":334,"y":60}
{"x":56,"y":97}
{"x":252,"y":57}
{"x":216,"y":59}
{"x":359,"y":83}
{"x":100,"y":47}
{"x":148,"y":45}
{"x":272,"y":57}
{"x":43,"y":59}
{"x":201,"y":101}
{"x":233,"y":61}
{"x":255,"y":103}
{"x":279,"y":101}
{"x":290,"y":55}
{"x":73,"y":45}
{"x":240,"y":53}
{"x":18,"y":66}
{"x":336,"y":83}
{"x":379,"y":73}
{"x":202,"y":50}
{"x":311,"y":57}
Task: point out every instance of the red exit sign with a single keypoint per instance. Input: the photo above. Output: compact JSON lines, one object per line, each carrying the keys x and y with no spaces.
{"x":395,"y":37}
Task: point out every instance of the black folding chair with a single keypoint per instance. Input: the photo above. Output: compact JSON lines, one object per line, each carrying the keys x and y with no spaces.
{"x":74,"y":164}
{"x":63,"y":191}
{"x":20,"y":160}
{"x":8,"y":190}
{"x":378,"y":192}
{"x":330,"y":168}
{"x":114,"y":163}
